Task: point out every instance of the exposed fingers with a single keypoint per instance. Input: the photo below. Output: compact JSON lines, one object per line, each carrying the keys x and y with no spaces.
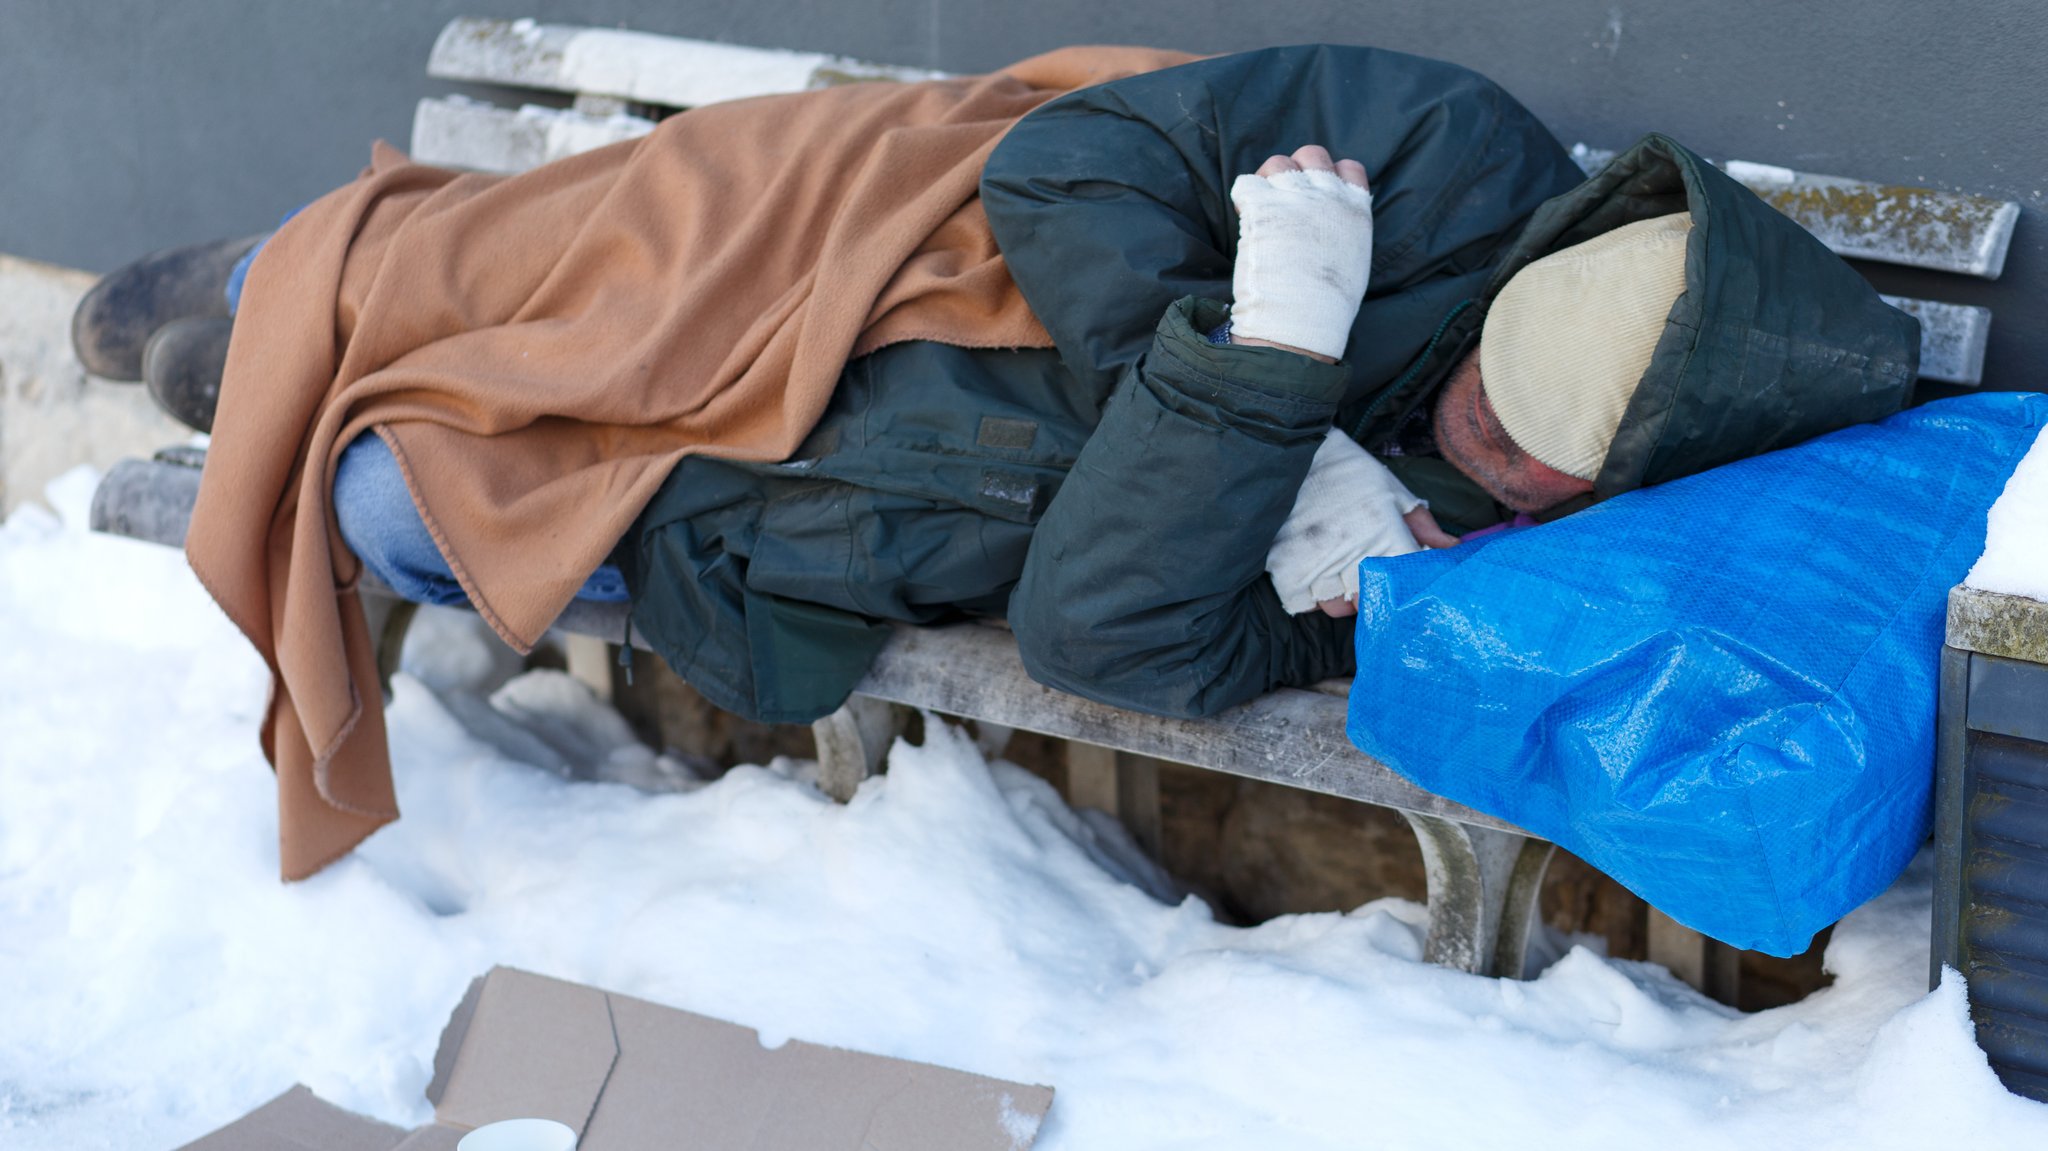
{"x":1275,"y":165}
{"x":1423,"y":526}
{"x":1314,"y":158}
{"x":1338,"y":608}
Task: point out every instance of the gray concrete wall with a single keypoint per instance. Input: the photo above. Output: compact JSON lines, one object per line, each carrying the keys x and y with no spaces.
{"x":128,"y":125}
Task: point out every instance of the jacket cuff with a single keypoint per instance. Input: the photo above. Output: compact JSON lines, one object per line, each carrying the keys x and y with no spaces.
{"x":1276,"y":374}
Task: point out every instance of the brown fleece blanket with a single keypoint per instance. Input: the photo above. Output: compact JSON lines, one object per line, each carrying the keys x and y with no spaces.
{"x":540,"y":350}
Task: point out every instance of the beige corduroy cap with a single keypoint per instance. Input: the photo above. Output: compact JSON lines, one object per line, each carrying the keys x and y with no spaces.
{"x":1569,"y":337}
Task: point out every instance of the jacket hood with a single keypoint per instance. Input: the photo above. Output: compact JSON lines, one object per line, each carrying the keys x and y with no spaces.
{"x":1774,"y":340}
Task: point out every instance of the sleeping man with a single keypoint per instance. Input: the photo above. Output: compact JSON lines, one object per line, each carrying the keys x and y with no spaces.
{"x":1144,"y":372}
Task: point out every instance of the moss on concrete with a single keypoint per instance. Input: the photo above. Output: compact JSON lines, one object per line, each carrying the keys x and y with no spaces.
{"x":2004,"y":625}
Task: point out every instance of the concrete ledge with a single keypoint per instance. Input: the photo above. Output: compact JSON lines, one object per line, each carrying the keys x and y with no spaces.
{"x":1996,"y":624}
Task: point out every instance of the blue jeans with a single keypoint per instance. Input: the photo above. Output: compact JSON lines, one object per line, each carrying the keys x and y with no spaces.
{"x":384,"y":529}
{"x":379,"y":521}
{"x":240,"y":271}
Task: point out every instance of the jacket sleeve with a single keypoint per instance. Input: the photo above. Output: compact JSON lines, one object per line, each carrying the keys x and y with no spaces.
{"x":1112,"y":202}
{"x":1145,"y":586}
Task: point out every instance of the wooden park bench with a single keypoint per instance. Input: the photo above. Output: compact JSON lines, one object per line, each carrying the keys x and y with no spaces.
{"x":1483,"y":874}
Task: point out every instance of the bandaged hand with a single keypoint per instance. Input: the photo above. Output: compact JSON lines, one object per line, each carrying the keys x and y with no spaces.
{"x":1304,"y":252}
{"x":1349,"y":507}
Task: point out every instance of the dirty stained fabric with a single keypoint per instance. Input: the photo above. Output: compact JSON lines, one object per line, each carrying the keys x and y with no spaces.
{"x":540,"y":350}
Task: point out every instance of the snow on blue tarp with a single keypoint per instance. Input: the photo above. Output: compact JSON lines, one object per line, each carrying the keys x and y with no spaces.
{"x":1721,"y":690}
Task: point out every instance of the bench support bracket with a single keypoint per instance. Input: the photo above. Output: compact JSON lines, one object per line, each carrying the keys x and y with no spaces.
{"x":1709,"y":966}
{"x":388,"y":620}
{"x":852,"y":742}
{"x":1482,"y":894}
{"x":1121,"y":784}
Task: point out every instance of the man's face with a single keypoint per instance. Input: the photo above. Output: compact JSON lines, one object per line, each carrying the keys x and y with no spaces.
{"x":1471,"y":437}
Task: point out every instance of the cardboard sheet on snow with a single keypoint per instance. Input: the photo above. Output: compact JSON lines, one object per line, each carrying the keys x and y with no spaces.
{"x":627,"y":1074}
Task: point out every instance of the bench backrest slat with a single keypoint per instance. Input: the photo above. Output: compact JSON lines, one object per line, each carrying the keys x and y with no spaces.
{"x":1859,"y":219}
{"x":1952,"y":338}
{"x":453,"y":132}
{"x":457,"y":132}
{"x":1886,"y":223}
{"x":1890,"y":223}
{"x":637,"y":66}
{"x":1916,"y":227}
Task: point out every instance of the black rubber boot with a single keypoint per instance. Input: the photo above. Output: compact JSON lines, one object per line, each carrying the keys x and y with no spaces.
{"x":127,"y":306}
{"x":182,"y":365}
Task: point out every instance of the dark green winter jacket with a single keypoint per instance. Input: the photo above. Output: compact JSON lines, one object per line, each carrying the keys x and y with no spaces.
{"x":1115,"y":498}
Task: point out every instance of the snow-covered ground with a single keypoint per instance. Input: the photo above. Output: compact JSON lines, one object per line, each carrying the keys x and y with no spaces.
{"x":156,"y":980}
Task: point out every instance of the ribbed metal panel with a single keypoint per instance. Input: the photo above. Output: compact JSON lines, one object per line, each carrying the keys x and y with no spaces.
{"x":2022,"y":1083}
{"x":2004,"y":904}
{"x":2013,"y":1041}
{"x":2005,"y":876}
{"x":2001,"y":986}
{"x":2009,"y":697}
{"x":2006,"y":810}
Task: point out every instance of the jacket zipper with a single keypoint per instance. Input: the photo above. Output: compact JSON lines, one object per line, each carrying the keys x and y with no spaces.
{"x":1407,"y":377}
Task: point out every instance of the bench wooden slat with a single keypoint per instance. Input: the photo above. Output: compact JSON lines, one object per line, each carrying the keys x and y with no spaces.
{"x":1293,"y":737}
{"x":460,"y":133}
{"x":637,"y":66}
{"x":1890,"y":223}
{"x":1483,"y":874}
{"x":1917,"y":227}
{"x":1859,"y":219}
{"x":1287,"y":736}
{"x":1885,"y":223}
{"x":1952,"y":338}
{"x":454,"y":132}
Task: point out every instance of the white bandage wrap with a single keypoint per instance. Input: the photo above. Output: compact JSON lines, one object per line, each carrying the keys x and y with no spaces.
{"x":1350,"y":507}
{"x":1304,"y":254}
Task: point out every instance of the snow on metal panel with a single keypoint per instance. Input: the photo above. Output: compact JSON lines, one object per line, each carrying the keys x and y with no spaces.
{"x":2005,"y":905}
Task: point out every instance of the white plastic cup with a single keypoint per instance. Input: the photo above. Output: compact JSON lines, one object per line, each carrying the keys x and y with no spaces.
{"x":519,"y":1135}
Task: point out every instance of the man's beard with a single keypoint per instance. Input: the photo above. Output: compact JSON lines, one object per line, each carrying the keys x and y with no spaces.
{"x":1461,"y":426}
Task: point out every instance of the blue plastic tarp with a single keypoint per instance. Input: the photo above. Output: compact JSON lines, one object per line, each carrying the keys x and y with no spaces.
{"x":1721,"y":690}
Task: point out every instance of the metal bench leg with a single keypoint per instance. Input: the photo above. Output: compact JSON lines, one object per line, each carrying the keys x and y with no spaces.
{"x":1137,"y":781}
{"x":992,"y":738}
{"x":1709,"y":966}
{"x":1482,"y":894}
{"x":388,"y":619}
{"x":1119,"y":783}
{"x":591,"y":660}
{"x":852,"y":742}
{"x":1091,"y":776}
